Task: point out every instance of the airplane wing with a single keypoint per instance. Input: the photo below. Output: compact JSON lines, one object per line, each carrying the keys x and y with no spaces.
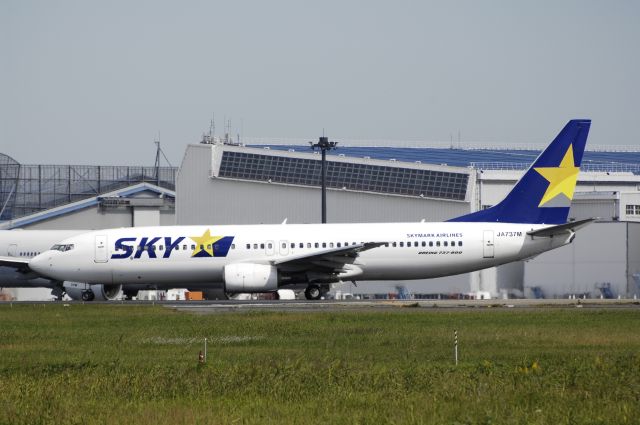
{"x":20,"y":264}
{"x":330,"y":260}
{"x":561,"y":229}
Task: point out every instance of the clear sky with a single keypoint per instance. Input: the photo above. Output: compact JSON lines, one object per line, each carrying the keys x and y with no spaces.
{"x":93,"y":82}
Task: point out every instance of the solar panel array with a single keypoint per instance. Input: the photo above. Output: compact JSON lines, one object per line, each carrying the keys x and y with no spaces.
{"x":344,"y":175}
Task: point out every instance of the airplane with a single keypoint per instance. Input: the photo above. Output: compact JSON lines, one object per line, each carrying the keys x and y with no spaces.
{"x":532,"y":219}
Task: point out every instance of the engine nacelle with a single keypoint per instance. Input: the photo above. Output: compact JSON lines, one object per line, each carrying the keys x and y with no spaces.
{"x":85,"y":292}
{"x":249,"y":277}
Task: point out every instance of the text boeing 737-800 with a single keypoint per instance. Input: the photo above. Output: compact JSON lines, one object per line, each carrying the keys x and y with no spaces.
{"x":260,"y":258}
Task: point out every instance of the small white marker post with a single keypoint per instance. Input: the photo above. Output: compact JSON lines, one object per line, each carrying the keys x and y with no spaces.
{"x":455,"y":346}
{"x":205,"y":350}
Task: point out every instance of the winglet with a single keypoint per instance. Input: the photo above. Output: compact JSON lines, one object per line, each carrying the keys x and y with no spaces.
{"x":543,"y":195}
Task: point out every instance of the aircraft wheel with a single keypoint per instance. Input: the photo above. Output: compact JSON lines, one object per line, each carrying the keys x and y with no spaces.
{"x":88,"y":295}
{"x":313,"y":292}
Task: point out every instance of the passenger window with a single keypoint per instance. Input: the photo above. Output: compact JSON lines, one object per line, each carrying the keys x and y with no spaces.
{"x":437,"y":243}
{"x":401,"y":244}
{"x":308,"y":244}
{"x":460,"y":243}
{"x":453,"y":243}
{"x":177,"y":248}
{"x":330,"y":244}
{"x":317,"y":245}
{"x":445,"y":243}
{"x":216,"y":247}
{"x":424,"y":243}
{"x":261,"y":246}
{"x":394,"y":244}
{"x":270,"y":245}
{"x":161,"y":247}
{"x":415,"y":243}
{"x":233,"y":246}
{"x":284,"y":245}
{"x":184,"y":247}
{"x":255,"y":246}
{"x":386,"y":244}
{"x":430,"y":243}
{"x":293,"y":245}
{"x":324,"y":244}
{"x":248,"y":246}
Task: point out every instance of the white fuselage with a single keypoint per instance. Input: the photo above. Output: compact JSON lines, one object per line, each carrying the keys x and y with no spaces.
{"x":411,"y":250}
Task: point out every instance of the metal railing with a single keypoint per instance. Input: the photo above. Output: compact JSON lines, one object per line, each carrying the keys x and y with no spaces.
{"x":40,"y":187}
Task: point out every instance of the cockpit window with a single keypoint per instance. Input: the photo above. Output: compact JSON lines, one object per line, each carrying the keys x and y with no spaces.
{"x":62,"y":247}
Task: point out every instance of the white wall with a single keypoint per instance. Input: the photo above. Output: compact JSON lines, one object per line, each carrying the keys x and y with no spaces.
{"x":597,"y":255}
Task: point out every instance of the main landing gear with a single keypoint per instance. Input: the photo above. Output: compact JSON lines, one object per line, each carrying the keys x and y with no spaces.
{"x":315,"y":291}
{"x":88,"y":295}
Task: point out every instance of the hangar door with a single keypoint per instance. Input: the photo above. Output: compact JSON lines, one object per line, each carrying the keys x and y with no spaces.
{"x":101,"y":249}
{"x":487,"y":246}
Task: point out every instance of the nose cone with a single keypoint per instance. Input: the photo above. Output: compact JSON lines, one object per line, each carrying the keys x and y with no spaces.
{"x":42,"y":264}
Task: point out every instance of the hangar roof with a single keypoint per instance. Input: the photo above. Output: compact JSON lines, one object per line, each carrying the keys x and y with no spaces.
{"x":144,"y":190}
{"x":481,"y":158}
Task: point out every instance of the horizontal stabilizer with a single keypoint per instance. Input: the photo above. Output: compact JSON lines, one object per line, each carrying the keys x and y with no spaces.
{"x":561,"y":229}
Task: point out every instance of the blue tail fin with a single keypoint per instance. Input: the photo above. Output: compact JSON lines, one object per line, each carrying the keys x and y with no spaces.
{"x":544,"y":193}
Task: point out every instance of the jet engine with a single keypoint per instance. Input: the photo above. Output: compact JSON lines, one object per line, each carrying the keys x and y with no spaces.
{"x":85,"y":292}
{"x":249,"y":277}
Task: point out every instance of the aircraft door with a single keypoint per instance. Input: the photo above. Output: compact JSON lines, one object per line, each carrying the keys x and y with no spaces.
{"x":101,"y":249}
{"x":487,"y":246}
{"x":13,"y":250}
{"x":284,"y":248}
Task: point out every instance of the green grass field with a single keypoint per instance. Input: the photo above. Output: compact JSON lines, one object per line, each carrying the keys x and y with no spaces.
{"x":118,"y":364}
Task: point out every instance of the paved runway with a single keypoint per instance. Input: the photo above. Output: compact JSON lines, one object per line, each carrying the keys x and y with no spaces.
{"x":211,"y":307}
{"x":222,"y":306}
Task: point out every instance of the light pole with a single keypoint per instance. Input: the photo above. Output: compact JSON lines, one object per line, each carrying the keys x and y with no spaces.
{"x":324,"y":145}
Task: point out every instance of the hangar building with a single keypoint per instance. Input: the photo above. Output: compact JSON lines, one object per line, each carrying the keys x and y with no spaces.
{"x":225,"y":183}
{"x":62,"y":197}
{"x":84,"y":196}
{"x":270,"y":181}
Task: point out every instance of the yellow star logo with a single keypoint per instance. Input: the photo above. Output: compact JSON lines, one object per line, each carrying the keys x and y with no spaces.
{"x":204,"y":244}
{"x":562,"y":179}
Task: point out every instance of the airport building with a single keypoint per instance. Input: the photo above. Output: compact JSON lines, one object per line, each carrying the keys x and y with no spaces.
{"x":84,"y":196}
{"x":63,"y":197}
{"x":273,"y":181}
